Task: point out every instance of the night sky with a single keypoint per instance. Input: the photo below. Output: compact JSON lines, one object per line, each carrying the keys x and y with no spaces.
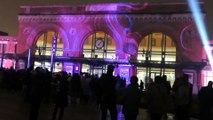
{"x":10,"y":8}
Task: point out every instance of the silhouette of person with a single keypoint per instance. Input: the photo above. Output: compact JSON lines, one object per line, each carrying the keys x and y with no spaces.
{"x":182,"y":97}
{"x":141,"y":85}
{"x":131,"y":99}
{"x":75,"y":88}
{"x":157,"y":99}
{"x":205,"y":99}
{"x":36,"y":92}
{"x":167,"y":84}
{"x":108,"y":94}
{"x":61,"y":98}
{"x":168,"y":88}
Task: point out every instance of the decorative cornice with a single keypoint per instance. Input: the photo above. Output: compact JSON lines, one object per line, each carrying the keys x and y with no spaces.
{"x":80,"y":18}
{"x":8,"y":38}
{"x":121,"y":7}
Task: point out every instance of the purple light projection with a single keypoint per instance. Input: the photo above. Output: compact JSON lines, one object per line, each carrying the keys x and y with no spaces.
{"x":122,"y":31}
{"x":119,"y":27}
{"x":124,"y":26}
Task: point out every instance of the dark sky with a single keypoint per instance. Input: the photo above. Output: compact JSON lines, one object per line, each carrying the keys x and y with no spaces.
{"x":10,"y":8}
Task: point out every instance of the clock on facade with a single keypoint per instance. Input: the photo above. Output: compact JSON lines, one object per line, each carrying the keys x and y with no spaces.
{"x":99,"y":43}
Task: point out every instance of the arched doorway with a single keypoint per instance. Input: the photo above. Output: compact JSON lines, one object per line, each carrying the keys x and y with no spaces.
{"x":43,"y":50}
{"x":98,"y":46}
{"x":159,"y":49}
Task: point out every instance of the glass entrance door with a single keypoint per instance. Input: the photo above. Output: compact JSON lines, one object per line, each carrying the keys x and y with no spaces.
{"x":94,"y":70}
{"x":154,"y":74}
{"x":145,"y":74}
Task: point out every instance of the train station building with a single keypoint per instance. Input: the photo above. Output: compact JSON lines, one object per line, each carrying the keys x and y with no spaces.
{"x":143,"y":39}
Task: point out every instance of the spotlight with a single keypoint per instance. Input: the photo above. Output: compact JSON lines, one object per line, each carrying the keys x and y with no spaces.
{"x":196,"y":11}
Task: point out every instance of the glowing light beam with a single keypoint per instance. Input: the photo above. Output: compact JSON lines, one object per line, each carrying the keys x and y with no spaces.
{"x":196,"y":11}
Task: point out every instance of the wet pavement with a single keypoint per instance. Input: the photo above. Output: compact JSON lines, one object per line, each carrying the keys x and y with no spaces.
{"x":13,"y":107}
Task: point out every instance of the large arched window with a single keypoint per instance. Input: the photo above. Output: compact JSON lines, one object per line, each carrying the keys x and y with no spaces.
{"x":156,"y":48}
{"x":43,"y":49}
{"x":101,"y":46}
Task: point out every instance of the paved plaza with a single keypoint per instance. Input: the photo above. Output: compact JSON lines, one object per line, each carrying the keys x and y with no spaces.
{"x":13,"y":107}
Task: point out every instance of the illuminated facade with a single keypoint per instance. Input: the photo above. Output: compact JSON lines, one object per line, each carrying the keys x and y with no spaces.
{"x":143,"y":39}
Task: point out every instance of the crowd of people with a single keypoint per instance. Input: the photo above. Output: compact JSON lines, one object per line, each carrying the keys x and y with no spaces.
{"x":39,"y":85}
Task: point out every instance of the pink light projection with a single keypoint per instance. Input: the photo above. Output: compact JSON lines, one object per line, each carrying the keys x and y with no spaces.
{"x":101,"y":7}
{"x":182,"y":38}
{"x":8,"y":63}
{"x":9,"y":42}
{"x":115,"y":7}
